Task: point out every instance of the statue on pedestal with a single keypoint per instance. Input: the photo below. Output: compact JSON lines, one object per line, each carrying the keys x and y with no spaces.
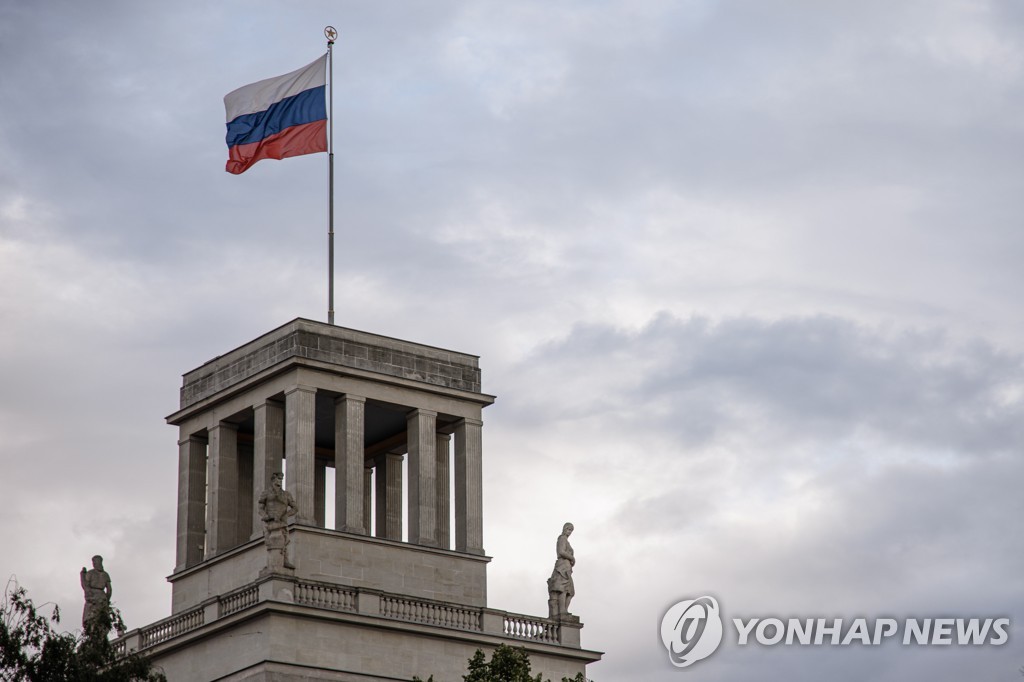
{"x":275,"y":506}
{"x":97,"y":587}
{"x":560,"y":585}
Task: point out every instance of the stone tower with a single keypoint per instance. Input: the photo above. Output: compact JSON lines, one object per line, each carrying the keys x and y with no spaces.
{"x":396,"y":584}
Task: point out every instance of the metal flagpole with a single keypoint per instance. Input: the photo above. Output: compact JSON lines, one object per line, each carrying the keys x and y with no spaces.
{"x":331,"y":35}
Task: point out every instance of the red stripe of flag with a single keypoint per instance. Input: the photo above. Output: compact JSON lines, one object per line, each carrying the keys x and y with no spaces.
{"x":295,"y":141}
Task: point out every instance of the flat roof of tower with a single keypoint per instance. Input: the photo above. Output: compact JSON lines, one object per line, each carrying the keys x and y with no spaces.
{"x":333,"y":345}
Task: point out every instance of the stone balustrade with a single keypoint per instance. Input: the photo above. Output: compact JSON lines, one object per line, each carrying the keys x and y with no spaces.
{"x":171,"y":627}
{"x":371,"y":603}
{"x":431,"y":613}
{"x":324,"y":596}
{"x":236,"y":601}
{"x":525,"y":627}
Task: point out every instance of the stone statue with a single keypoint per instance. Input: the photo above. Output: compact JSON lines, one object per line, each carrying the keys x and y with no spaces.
{"x":97,"y":588}
{"x":275,"y":505}
{"x":560,"y":585}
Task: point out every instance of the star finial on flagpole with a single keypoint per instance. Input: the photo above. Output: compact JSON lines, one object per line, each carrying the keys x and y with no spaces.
{"x":331,"y":34}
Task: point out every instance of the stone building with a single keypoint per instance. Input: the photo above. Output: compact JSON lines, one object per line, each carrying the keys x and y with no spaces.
{"x":393,"y":588}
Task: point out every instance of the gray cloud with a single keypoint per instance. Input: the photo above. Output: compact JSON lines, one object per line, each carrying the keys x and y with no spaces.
{"x":744,"y":276}
{"x":796,"y":378}
{"x":792,"y":467}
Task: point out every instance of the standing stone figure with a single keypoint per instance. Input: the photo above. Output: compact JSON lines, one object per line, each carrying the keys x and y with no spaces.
{"x":97,"y":588}
{"x":275,"y":505}
{"x":560,"y":585}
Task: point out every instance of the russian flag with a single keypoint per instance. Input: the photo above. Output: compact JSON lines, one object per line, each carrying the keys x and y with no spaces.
{"x":278,"y":117}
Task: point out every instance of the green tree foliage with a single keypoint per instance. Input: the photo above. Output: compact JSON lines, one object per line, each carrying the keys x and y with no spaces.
{"x":32,"y":651}
{"x":507,"y":664}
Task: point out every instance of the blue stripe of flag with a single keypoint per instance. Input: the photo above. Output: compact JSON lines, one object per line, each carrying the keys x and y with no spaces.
{"x":305,"y":107}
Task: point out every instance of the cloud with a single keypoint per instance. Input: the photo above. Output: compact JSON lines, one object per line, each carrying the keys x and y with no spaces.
{"x":744,"y":277}
{"x":794,"y":466}
{"x":792,"y":378}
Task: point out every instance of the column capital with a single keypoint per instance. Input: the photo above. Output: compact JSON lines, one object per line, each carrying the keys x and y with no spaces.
{"x":300,"y":387}
{"x":194,"y":438}
{"x":348,"y":397}
{"x":469,"y":421}
{"x":225,"y":425}
{"x":420,"y":412}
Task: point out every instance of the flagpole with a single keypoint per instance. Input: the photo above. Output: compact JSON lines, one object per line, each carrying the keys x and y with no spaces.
{"x":331,"y":35}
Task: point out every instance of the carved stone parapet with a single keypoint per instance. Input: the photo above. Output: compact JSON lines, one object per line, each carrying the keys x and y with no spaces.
{"x":368,"y":603}
{"x":279,"y":588}
{"x":493,"y":622}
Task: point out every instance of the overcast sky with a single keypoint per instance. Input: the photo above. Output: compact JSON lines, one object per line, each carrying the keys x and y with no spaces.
{"x":746,"y":278}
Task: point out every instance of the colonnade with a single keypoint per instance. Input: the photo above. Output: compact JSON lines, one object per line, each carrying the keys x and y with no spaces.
{"x":222,"y":472}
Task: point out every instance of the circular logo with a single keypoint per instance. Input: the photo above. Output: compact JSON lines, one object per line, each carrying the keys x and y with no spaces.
{"x":691,"y":630}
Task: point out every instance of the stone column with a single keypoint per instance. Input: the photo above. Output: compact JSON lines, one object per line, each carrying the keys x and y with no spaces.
{"x":320,"y":493}
{"x":421,"y":434}
{"x":389,"y":496}
{"x":469,"y":536}
{"x":367,"y":498}
{"x":246,"y":501}
{"x":299,"y":444}
{"x":444,"y":509}
{"x":349,"y":411}
{"x":268,"y":449}
{"x":191,"y":501}
{"x":222,"y":489}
